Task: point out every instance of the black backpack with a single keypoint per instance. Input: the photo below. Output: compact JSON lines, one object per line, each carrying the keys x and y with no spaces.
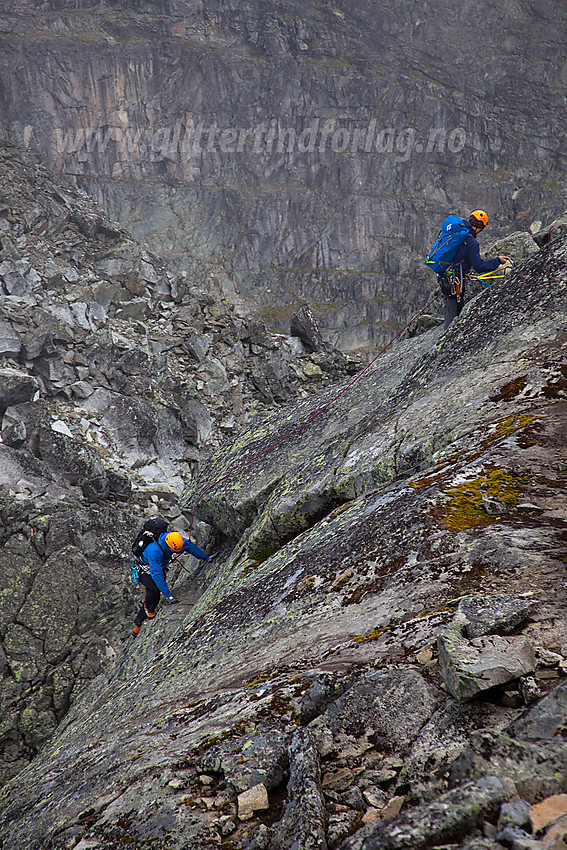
{"x":149,"y":533}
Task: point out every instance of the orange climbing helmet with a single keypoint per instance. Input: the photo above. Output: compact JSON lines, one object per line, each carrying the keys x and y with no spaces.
{"x":174,"y":541}
{"x":478,"y":218}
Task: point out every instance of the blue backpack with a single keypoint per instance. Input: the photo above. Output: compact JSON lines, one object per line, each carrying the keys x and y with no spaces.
{"x":453,"y":233}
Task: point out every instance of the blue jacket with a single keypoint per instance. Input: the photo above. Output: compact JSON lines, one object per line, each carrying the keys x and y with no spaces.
{"x":468,"y":256}
{"x":158,"y":555}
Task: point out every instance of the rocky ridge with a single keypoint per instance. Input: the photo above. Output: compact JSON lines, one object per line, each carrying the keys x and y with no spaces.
{"x":377,"y":657}
{"x":117,"y":377}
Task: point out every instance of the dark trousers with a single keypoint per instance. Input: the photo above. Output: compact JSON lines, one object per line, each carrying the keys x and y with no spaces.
{"x":151,"y":600}
{"x":451,"y":309}
{"x":452,"y":305}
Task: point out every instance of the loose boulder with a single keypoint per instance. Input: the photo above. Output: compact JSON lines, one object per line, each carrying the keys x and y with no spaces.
{"x":516,"y":246}
{"x":471,"y":667}
{"x":15,"y":388}
{"x":10,"y":340}
{"x":436,"y":823}
{"x":546,"y":719}
{"x":537,"y":768}
{"x":304,"y":326}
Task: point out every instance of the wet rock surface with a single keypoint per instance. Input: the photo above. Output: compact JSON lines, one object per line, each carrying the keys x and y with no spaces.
{"x":301,"y":667}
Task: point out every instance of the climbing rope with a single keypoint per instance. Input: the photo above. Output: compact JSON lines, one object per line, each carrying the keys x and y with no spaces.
{"x":310,"y":418}
{"x":487,"y":277}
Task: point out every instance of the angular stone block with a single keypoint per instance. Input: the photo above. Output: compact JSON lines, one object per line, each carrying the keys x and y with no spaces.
{"x":548,"y":811}
{"x":10,"y":340}
{"x":252,"y":800}
{"x":471,"y":667}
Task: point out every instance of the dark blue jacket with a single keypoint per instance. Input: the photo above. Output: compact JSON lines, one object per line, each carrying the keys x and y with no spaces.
{"x":158,"y":555}
{"x":468,"y":256}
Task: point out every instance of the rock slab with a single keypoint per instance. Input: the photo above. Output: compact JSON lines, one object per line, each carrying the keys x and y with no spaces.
{"x":493,"y":614}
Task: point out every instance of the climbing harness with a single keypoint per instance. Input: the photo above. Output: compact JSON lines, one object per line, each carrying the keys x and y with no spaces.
{"x":313,"y":416}
{"x":455,"y":278}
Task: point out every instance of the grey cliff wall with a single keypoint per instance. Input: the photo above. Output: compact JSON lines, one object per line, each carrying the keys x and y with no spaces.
{"x":232,"y":137}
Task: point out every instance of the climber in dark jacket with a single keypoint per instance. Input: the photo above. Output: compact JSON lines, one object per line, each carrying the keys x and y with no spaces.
{"x":467,"y":257}
{"x":153,"y":568}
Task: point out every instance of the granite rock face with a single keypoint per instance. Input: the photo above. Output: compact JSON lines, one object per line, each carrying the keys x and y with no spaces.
{"x":385,"y":708}
{"x":303,"y":659}
{"x":421,"y":405}
{"x":63,"y":600}
{"x":293,"y":150}
{"x":295,"y":697}
{"x":250,"y":761}
{"x":302,"y":824}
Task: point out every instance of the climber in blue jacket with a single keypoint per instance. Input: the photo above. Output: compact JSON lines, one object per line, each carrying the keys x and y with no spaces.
{"x":152,"y":565}
{"x":467,"y":258}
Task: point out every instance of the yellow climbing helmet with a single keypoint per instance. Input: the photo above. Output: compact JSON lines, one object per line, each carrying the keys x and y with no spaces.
{"x":174,"y":541}
{"x":478,"y":217}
